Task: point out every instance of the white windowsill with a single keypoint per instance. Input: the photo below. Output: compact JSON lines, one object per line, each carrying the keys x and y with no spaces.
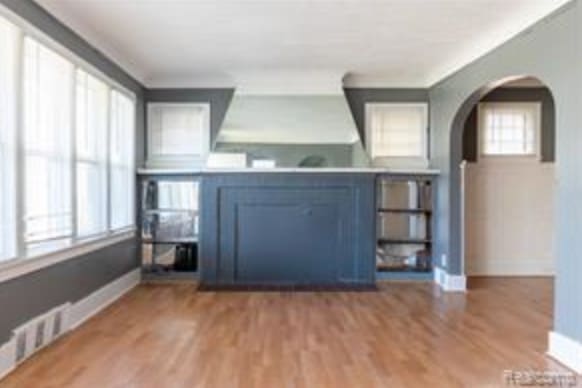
{"x":19,"y":267}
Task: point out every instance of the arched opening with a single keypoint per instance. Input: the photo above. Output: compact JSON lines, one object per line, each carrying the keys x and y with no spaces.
{"x":502,"y":180}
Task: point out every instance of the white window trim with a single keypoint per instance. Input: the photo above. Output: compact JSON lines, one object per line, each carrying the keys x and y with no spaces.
{"x":160,"y":161}
{"x":21,"y":266}
{"x":397,"y":161}
{"x":537,"y":155}
{"x":25,"y":263}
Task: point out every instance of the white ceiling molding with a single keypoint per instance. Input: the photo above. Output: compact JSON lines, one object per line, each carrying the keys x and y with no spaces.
{"x":389,"y":43}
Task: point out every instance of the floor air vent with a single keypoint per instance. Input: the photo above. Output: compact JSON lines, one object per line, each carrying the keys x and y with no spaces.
{"x":39,"y":332}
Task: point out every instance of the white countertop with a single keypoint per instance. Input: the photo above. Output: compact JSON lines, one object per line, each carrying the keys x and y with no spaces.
{"x":333,"y":170}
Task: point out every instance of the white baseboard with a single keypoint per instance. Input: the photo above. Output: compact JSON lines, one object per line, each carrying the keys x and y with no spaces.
{"x":520,"y":267}
{"x":79,"y":313}
{"x":566,"y":350}
{"x":103,"y":297}
{"x":450,"y":283}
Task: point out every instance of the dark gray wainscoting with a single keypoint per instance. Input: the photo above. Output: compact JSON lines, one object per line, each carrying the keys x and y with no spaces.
{"x":287,"y":229}
{"x":33,"y":294}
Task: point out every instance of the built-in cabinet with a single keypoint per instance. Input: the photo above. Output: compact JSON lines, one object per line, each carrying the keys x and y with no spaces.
{"x":404,"y":224}
{"x":287,"y":227}
{"x":170,"y":226}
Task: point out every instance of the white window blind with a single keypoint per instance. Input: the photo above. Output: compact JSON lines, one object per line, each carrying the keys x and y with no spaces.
{"x":397,"y":131}
{"x":121,"y":159}
{"x":48,"y":86}
{"x":509,"y":128}
{"x":178,"y":133}
{"x":9,"y":39}
{"x":91,"y":154}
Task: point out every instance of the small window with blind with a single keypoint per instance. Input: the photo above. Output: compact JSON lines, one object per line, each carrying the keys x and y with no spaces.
{"x":178,"y":134}
{"x":397,"y":134}
{"x":509,"y":129}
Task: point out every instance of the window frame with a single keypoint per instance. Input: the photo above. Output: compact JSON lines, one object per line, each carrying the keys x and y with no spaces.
{"x":130,"y":167}
{"x":180,"y":160}
{"x":28,"y":258}
{"x":9,"y":153}
{"x":535,"y":106}
{"x":422,"y":160}
{"x":102,"y":166}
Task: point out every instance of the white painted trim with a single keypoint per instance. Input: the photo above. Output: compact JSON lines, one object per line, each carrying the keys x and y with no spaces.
{"x":19,"y":267}
{"x":91,"y":305}
{"x":509,"y":267}
{"x":450,"y":283}
{"x":78,"y":314}
{"x":566,"y":351}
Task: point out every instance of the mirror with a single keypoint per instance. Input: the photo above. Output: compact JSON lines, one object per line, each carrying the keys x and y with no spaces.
{"x":303,"y":131}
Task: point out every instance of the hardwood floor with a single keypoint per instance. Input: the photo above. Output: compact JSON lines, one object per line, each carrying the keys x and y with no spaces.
{"x":405,"y":335}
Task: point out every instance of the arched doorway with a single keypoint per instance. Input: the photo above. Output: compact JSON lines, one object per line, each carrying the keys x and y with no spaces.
{"x":486,"y":245}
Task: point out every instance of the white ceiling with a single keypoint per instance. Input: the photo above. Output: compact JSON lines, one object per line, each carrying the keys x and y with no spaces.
{"x":392,"y":43}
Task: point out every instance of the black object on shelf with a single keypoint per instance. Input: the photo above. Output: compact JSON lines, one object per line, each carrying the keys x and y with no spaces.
{"x":186,"y":258}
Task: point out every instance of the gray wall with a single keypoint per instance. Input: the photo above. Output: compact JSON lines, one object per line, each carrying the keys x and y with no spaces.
{"x":548,"y":119}
{"x":551,"y":51}
{"x":35,"y":293}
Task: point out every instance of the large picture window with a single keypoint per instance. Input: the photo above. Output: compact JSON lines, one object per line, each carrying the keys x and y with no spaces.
{"x":9,"y":40}
{"x":66,"y":148}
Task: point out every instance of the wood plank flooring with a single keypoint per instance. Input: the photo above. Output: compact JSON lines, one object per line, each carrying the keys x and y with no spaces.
{"x":404,"y":335}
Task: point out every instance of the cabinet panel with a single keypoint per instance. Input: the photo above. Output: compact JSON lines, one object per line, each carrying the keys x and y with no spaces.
{"x":271,"y":230}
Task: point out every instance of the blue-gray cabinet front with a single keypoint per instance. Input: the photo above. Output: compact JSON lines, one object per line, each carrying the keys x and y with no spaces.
{"x":287,"y":229}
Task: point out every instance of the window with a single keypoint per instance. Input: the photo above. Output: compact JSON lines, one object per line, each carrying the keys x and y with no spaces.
{"x":91,"y":154}
{"x":510,"y":129}
{"x":48,"y":91}
{"x":121,"y":160}
{"x":9,"y":37}
{"x":397,"y":133}
{"x":178,"y":134}
{"x":66,"y":148}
